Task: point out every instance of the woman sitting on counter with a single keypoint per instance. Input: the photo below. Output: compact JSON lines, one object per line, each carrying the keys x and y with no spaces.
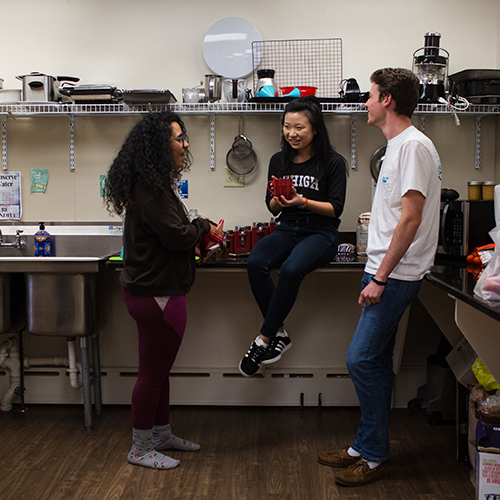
{"x":307,"y":236}
{"x":159,"y":269}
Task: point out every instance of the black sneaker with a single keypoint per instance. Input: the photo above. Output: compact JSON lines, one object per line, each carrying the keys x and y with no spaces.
{"x":251,"y":360}
{"x":277,"y":347}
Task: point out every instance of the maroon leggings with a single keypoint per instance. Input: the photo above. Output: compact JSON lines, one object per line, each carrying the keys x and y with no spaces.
{"x":160,"y":335}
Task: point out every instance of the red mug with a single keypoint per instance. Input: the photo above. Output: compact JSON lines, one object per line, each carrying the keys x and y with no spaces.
{"x":281,"y":187}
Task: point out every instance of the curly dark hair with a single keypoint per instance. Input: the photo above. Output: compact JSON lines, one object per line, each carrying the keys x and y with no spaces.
{"x":145,"y":156}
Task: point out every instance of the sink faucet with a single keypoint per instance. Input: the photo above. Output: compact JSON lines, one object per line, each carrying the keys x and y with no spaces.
{"x":18,"y":243}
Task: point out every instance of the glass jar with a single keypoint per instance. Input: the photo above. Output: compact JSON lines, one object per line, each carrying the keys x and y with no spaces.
{"x":488,"y":190}
{"x":362,"y":236}
{"x":474,"y":190}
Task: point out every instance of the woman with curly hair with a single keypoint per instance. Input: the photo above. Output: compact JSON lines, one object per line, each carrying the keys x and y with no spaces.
{"x":159,"y":269}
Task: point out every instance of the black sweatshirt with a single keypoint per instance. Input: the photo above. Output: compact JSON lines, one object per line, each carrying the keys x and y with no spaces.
{"x":330,"y":187}
{"x":159,"y":244}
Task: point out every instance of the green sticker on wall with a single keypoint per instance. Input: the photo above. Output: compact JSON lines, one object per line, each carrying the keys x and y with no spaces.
{"x":102,"y":180}
{"x":39,"y":179}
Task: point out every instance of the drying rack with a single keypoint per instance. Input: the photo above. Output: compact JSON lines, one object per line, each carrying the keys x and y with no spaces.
{"x":308,"y":62}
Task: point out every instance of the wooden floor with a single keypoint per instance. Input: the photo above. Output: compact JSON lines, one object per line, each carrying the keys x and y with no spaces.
{"x":247,"y":453}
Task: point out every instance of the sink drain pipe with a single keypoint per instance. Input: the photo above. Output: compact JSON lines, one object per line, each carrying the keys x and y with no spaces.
{"x":74,"y":369}
{"x":9,"y":359}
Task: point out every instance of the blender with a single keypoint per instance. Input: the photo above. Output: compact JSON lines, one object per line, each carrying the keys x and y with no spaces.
{"x":266,"y":87}
{"x":431,"y":68}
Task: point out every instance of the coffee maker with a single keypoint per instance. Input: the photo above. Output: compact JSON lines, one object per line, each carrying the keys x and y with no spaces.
{"x":431,"y":67}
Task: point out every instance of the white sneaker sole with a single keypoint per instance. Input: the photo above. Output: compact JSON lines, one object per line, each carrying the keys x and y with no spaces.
{"x":277,"y":358}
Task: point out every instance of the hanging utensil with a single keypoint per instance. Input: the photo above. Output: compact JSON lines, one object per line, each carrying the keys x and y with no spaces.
{"x":376,"y":162}
{"x":241,"y":158}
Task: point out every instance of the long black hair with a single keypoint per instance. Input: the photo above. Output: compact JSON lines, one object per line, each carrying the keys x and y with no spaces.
{"x":145,"y":157}
{"x":322,"y":148}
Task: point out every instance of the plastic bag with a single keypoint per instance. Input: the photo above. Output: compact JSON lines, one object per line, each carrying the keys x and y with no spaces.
{"x":484,"y":377}
{"x":481,"y":256}
{"x":488,"y":284}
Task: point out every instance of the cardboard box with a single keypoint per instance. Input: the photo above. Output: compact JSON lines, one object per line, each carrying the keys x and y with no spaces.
{"x":487,"y":476}
{"x":460,"y":360}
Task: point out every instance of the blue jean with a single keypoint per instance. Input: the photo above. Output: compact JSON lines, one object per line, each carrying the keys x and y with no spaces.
{"x":299,"y":248}
{"x":369,"y":361}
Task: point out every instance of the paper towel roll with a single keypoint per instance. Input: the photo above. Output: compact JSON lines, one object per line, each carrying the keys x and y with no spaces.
{"x":497,"y":204}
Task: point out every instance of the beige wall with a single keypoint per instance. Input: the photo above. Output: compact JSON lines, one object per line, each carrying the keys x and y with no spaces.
{"x":158,"y":44}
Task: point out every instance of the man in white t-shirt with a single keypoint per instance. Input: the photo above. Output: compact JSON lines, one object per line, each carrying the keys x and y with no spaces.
{"x":402,"y":241}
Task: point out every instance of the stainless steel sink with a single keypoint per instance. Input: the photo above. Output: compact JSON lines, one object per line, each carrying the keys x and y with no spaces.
{"x":65,"y":294}
{"x":66,"y":303}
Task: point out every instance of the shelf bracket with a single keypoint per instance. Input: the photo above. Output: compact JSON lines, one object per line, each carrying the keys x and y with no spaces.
{"x":4,"y":143}
{"x":212,"y":141}
{"x":72,"y":142}
{"x":422,"y":124}
{"x":353,"y":141}
{"x":477,"y":165}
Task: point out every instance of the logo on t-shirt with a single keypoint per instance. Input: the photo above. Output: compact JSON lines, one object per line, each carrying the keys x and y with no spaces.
{"x":305,"y":181}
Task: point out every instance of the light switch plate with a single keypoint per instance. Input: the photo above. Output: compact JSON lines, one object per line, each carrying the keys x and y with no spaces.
{"x":233,"y":180}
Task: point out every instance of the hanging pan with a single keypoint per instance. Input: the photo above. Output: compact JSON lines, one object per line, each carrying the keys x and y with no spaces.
{"x":376,"y":162}
{"x":241,"y":158}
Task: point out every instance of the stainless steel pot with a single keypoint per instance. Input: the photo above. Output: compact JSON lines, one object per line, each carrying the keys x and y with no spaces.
{"x":10,"y":96}
{"x":38,"y":87}
{"x":213,"y":86}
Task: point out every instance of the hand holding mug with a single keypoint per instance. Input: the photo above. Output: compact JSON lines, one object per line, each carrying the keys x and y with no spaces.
{"x":281,"y":187}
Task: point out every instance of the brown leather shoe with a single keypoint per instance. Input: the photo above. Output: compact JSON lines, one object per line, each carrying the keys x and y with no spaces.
{"x":360,"y":473}
{"x":338,"y":459}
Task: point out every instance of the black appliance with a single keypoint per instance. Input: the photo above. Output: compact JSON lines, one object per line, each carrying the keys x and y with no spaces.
{"x":478,"y":86}
{"x":464,"y":225}
{"x":430,"y":64}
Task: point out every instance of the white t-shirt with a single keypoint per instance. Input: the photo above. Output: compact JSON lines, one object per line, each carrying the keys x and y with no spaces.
{"x":411,"y":163}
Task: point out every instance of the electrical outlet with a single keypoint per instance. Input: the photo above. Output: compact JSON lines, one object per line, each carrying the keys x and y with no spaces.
{"x":233,"y":180}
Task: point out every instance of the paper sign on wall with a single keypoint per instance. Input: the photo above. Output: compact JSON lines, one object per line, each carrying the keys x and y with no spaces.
{"x":182,"y":188}
{"x":39,"y":179}
{"x":102,"y":181}
{"x":10,"y":195}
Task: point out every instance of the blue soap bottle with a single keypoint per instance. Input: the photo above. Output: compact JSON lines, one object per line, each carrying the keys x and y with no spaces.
{"x":42,"y":242}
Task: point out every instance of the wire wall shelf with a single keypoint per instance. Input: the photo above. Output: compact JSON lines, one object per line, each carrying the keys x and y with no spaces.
{"x":212,"y":109}
{"x":55,"y":109}
{"x":313,"y":62}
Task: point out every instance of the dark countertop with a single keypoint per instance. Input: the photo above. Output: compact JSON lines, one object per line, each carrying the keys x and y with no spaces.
{"x":453,"y":277}
{"x":447,"y":274}
{"x":241,"y":263}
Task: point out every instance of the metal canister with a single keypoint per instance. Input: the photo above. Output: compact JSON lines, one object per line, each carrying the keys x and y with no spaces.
{"x":362,"y":236}
{"x":259,"y":230}
{"x":242,"y":240}
{"x":229,"y":236}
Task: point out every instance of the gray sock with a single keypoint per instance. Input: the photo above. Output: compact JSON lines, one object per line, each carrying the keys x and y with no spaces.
{"x":143,"y":453}
{"x":163,"y":439}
